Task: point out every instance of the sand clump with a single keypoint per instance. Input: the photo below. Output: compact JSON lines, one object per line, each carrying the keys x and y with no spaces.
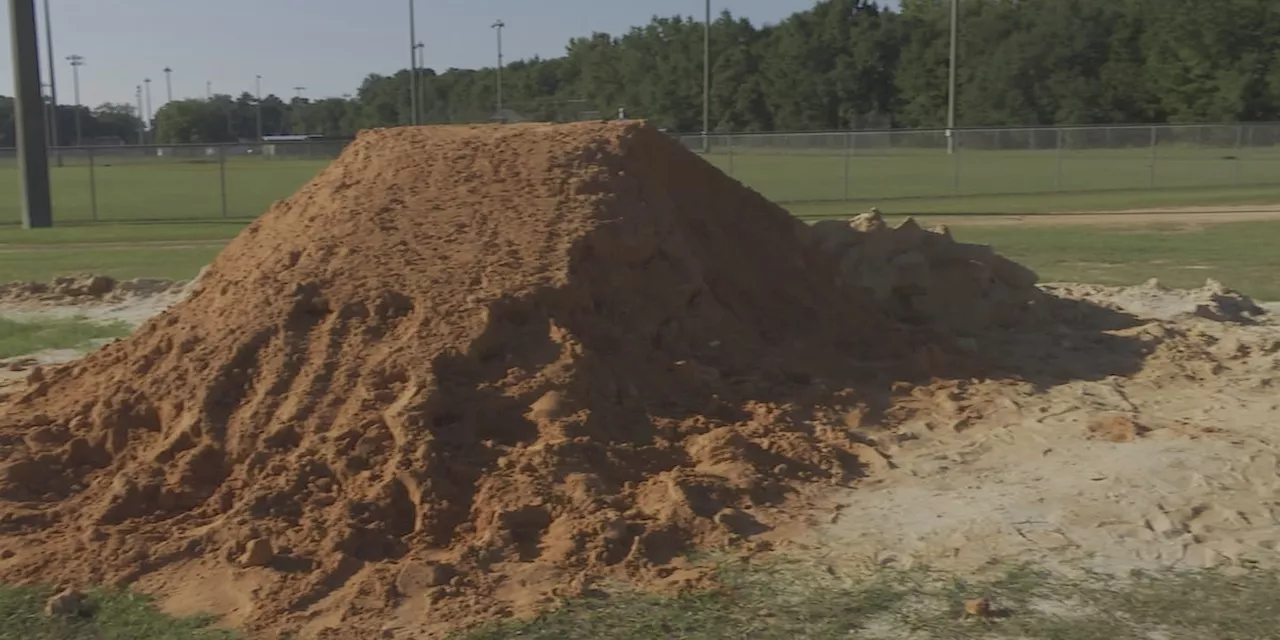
{"x":923,"y":276}
{"x":464,"y":372}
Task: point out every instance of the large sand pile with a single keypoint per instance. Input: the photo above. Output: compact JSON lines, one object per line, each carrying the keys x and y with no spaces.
{"x":462,"y":371}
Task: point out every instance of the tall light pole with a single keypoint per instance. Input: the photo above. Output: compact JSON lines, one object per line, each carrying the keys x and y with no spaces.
{"x":951,"y":82}
{"x":147,"y":82}
{"x":28,"y":116}
{"x":53,"y":86}
{"x":142,"y":123}
{"x":413,"y":65}
{"x":258,"y":87}
{"x":76,"y":63}
{"x":208,"y":89}
{"x":420,"y":91}
{"x":298,"y":92}
{"x":499,"y":26}
{"x":706,"y":78}
{"x":168,"y":84}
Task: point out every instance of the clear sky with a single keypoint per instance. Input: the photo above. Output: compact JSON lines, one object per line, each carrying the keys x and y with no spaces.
{"x":327,"y":46}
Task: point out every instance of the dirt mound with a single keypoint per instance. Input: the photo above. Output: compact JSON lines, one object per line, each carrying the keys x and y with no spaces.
{"x":925,"y":277}
{"x":86,"y":287}
{"x":465,"y":370}
{"x":1213,"y":301}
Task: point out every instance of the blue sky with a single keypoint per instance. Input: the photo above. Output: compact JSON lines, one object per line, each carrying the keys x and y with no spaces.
{"x":328,"y":46}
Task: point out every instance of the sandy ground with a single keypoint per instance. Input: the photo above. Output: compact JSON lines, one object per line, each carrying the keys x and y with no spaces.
{"x":1158,"y":449}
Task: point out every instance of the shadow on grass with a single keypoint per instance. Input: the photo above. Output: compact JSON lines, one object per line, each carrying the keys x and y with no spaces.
{"x":798,"y":601}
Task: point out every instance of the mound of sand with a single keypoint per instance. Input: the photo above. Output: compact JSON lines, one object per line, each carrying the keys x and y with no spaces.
{"x":925,"y":277}
{"x":462,"y":372}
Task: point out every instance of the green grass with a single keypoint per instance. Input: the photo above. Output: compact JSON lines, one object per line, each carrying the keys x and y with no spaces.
{"x":114,"y":615}
{"x":22,"y":338}
{"x":171,"y":190}
{"x":149,"y":189}
{"x":891,"y":174}
{"x":1242,"y":255}
{"x":181,"y":263}
{"x":806,"y":602}
{"x":125,"y":233}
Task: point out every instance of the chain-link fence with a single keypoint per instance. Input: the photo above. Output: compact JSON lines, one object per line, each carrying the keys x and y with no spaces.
{"x":887,"y":165}
{"x":200,"y":182}
{"x":170,"y":182}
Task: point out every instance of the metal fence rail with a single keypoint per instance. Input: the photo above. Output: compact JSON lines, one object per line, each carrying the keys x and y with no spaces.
{"x":201,"y":182}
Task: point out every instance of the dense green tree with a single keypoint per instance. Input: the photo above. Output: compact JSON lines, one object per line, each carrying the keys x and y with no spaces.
{"x":842,"y":64}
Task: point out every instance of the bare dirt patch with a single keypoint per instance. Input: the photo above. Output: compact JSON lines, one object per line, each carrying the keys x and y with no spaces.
{"x":1158,"y":451}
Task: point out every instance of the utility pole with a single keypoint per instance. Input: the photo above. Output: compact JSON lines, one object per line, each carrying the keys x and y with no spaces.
{"x":951,"y":82}
{"x":259,"y":91}
{"x":142,"y":123}
{"x":499,"y":26}
{"x":208,"y":89}
{"x":28,"y":116}
{"x":706,"y":78}
{"x":421,"y":90}
{"x":168,"y":84}
{"x":53,"y":86}
{"x":299,"y":91}
{"x":76,"y":63}
{"x":413,"y":65}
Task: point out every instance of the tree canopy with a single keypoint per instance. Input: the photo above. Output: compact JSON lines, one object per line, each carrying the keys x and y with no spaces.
{"x":842,"y":64}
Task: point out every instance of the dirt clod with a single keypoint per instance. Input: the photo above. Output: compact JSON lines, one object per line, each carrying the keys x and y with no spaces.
{"x":257,"y":553}
{"x":67,"y":603}
{"x":1116,"y":428}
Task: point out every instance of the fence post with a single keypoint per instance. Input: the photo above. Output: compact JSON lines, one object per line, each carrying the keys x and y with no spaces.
{"x":222,"y":176}
{"x":955,"y":160}
{"x":848,"y":161}
{"x":729,"y":139}
{"x":1239,"y":152}
{"x":93,"y":186}
{"x":1059,"y":150}
{"x":1154,"y":143}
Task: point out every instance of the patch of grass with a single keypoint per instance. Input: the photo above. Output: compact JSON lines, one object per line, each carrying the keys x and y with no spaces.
{"x":21,"y":338}
{"x":121,"y":233}
{"x":1242,"y":255}
{"x":134,"y":189}
{"x":115,"y":615}
{"x":805,"y":602}
{"x":175,"y":263}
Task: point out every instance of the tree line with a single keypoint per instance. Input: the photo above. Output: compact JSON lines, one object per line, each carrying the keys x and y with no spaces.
{"x":842,"y":64}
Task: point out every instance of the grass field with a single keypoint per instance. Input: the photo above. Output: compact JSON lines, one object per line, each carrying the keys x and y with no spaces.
{"x":20,"y":338}
{"x":152,"y":189}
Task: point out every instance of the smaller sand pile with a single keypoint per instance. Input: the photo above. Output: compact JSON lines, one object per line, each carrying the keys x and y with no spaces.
{"x":86,"y":287}
{"x":924,"y":276}
{"x":1151,"y":299}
